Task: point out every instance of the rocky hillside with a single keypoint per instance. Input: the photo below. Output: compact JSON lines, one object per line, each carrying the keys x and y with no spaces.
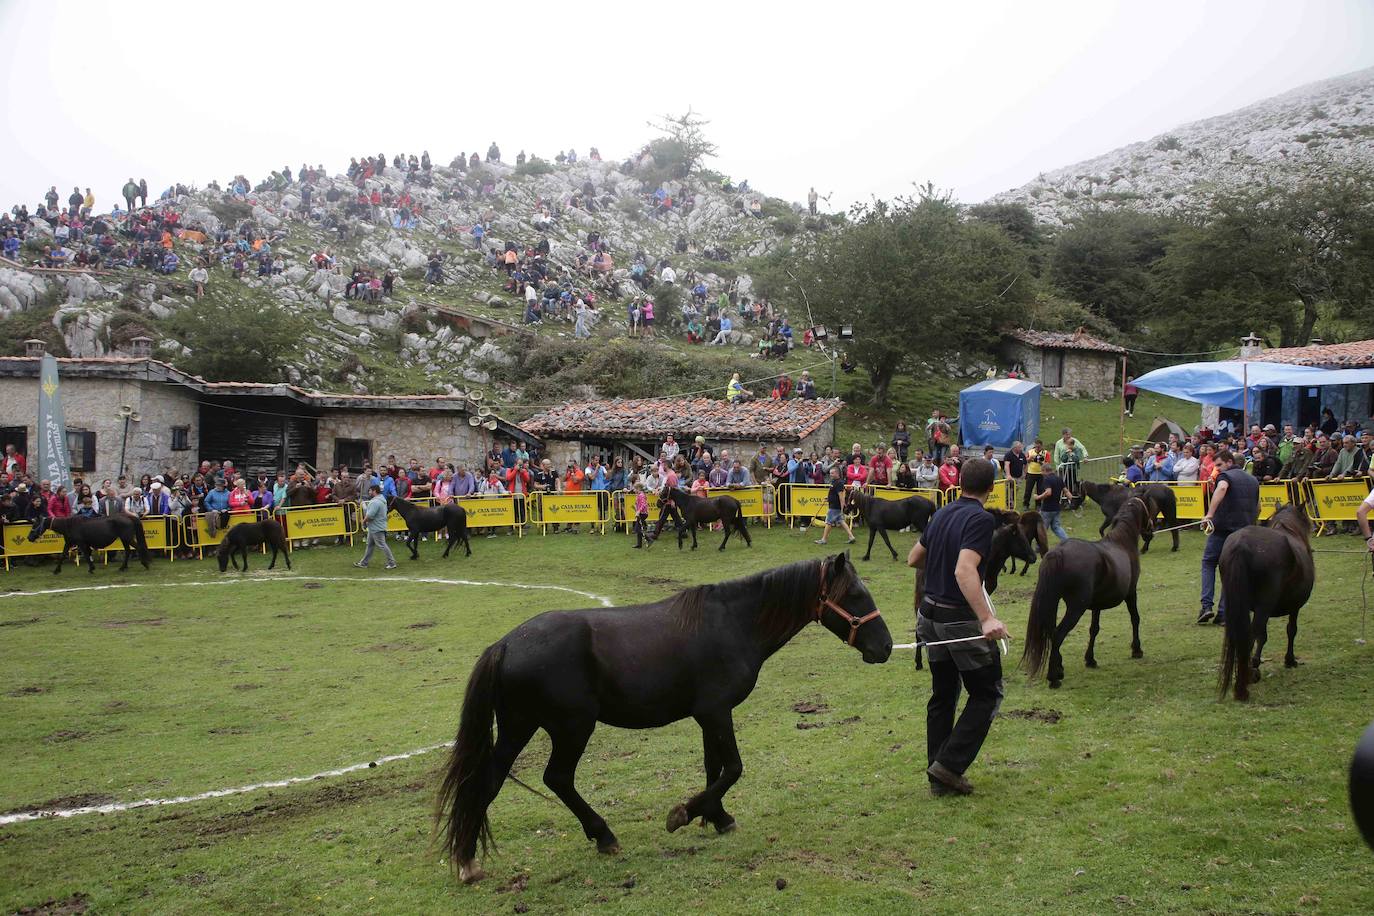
{"x":421,"y":338}
{"x":1330,"y":120}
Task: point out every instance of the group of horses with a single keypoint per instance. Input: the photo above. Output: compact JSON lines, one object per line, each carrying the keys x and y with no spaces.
{"x":87,"y":535}
{"x":698,"y":653}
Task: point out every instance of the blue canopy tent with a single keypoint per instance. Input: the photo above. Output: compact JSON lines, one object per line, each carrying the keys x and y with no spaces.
{"x":1224,"y":383}
{"x":998,"y":412}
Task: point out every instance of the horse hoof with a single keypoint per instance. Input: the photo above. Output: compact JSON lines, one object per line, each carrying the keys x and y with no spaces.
{"x":1254,"y":675}
{"x":727,"y":827}
{"x":1290,"y":663}
{"x":471,"y":872}
{"x":1054,"y":685}
{"x":678,"y":818}
{"x":1137,"y":653}
{"x":608,"y":849}
{"x":1090,"y":663}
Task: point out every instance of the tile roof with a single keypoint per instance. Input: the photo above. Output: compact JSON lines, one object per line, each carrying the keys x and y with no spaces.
{"x":653,"y":418}
{"x":1357,"y":354}
{"x":1058,"y":340}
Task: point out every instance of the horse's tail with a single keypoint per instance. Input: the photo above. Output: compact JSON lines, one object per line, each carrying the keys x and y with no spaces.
{"x":141,"y":542}
{"x":1044,"y":610}
{"x":463,"y":796}
{"x":1235,"y":642}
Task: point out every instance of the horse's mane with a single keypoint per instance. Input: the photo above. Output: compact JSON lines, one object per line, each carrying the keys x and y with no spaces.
{"x":786,"y":596}
{"x":1290,"y":519}
{"x":1134,"y":524}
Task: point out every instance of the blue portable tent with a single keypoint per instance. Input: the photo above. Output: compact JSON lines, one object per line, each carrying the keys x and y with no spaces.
{"x":998,"y":412}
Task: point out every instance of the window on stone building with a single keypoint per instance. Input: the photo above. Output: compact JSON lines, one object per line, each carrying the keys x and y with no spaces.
{"x":181,"y":438}
{"x":81,"y":449}
{"x":352,"y":453}
{"x":1053,"y":374}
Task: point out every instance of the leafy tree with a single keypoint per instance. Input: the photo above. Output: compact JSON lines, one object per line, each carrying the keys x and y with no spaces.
{"x":683,"y":145}
{"x":1274,"y":260}
{"x":238,"y":341}
{"x":1104,"y":260}
{"x":916,"y":280}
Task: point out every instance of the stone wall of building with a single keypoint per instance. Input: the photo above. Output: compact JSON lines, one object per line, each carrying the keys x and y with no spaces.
{"x":405,"y":434}
{"x":1087,"y":373}
{"x":93,"y":405}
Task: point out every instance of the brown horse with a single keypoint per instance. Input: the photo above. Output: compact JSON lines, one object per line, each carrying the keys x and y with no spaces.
{"x":1266,"y":571}
{"x":1086,"y":575}
{"x":1032,"y":526}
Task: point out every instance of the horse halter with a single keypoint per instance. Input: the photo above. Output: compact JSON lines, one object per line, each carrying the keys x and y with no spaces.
{"x":823,"y":601}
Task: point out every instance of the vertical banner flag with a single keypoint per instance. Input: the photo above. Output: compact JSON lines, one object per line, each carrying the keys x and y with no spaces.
{"x":53,"y":463}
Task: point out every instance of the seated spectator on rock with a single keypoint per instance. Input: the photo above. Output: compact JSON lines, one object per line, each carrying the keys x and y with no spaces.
{"x":695,"y":331}
{"x":723,"y":336}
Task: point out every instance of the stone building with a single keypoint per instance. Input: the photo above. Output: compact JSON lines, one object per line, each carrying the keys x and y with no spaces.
{"x":622,"y":428}
{"x":1302,"y":406}
{"x":1067,"y":365}
{"x":159,"y":418}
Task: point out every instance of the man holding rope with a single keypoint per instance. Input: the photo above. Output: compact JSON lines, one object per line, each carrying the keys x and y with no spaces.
{"x":951,"y":605}
{"x":1234,"y":505}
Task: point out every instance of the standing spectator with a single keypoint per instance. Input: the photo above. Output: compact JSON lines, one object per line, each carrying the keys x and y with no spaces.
{"x":1050,"y":500}
{"x":374,"y":521}
{"x":199,"y":276}
{"x":901,"y":440}
{"x":143,"y":192}
{"x":1129,"y":392}
{"x":130,"y":192}
{"x":949,"y":473}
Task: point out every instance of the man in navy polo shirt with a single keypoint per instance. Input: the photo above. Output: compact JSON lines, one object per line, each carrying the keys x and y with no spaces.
{"x":951,"y":604}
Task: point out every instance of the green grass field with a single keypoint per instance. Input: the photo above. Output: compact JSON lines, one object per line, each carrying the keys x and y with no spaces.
{"x":1130,"y":788}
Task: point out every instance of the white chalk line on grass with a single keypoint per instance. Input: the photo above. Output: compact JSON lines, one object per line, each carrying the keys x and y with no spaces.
{"x":116,"y":807}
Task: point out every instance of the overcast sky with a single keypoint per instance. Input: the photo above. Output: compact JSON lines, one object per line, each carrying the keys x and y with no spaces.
{"x":859,"y":99}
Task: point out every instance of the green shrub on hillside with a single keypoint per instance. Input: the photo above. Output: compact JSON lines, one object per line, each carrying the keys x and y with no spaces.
{"x":534,"y":166}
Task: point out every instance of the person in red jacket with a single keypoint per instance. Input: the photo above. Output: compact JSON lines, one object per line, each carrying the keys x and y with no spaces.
{"x":13,"y":463}
{"x":58,"y":504}
{"x":518,"y":480}
{"x":949,"y":473}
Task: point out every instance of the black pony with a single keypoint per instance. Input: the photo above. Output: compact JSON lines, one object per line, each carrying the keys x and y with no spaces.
{"x":1087,"y":575}
{"x":1267,"y":571}
{"x":1159,"y":499}
{"x":695,"y":654}
{"x":240,"y":537}
{"x":1032,"y":526}
{"x":688,"y":510}
{"x":883,"y":515}
{"x":449,"y":517}
{"x":1009,"y":542}
{"x":88,"y":535}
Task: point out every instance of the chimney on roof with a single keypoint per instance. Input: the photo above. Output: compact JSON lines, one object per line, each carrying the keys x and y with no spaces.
{"x":1316,"y":342}
{"x":33,"y":347}
{"x":1251,"y":346}
{"x":141,"y":347}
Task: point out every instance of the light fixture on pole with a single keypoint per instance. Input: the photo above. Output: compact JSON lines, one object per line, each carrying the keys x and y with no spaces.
{"x":126,"y":413}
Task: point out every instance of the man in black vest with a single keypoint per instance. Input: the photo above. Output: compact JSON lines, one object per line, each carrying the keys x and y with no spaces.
{"x":951,"y":604}
{"x":1234,"y":505}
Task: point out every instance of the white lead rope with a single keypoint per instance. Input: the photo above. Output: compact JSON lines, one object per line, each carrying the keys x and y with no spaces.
{"x":1002,"y":643}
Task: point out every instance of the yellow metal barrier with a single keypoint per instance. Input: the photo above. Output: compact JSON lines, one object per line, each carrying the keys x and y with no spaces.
{"x":509,"y":511}
{"x":160,"y":532}
{"x":1273,"y":495}
{"x":802,"y":502}
{"x":1191,"y":496}
{"x":898,"y":493}
{"x":1335,"y":500}
{"x":591,"y":507}
{"x":319,"y":520}
{"x":17,"y":543}
{"x":623,"y":507}
{"x":196,"y":532}
{"x":750,"y":501}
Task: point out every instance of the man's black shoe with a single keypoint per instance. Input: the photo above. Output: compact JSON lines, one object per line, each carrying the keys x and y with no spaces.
{"x":1204,"y":616}
{"x":955,"y":782}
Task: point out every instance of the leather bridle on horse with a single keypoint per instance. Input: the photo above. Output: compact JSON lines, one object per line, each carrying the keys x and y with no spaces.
{"x":824,"y":601}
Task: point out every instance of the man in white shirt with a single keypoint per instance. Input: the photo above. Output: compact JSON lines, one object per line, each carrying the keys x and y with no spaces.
{"x":668,"y":276}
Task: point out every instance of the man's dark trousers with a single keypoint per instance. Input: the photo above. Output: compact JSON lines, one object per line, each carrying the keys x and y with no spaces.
{"x":975,"y":666}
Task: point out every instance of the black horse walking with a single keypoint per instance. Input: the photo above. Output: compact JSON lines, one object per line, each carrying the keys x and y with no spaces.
{"x":1267,"y":571}
{"x":240,"y":537}
{"x":689,"y":510}
{"x":1159,"y":499}
{"x":1086,"y":575}
{"x":449,"y":517}
{"x":883,"y":515}
{"x":88,"y":535}
{"x":695,"y":654}
{"x":1032,"y":527}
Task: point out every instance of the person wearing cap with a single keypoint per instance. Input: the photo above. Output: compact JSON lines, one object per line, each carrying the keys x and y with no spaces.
{"x":374,"y":523}
{"x":155,"y":501}
{"x":133,"y":503}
